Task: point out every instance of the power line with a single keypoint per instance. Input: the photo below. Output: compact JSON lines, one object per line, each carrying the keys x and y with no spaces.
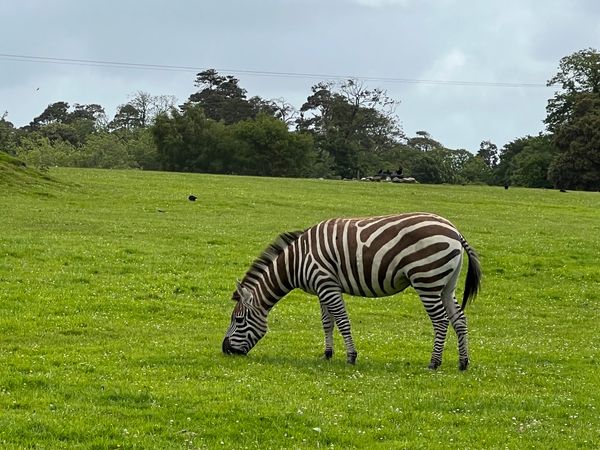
{"x":262,"y":73}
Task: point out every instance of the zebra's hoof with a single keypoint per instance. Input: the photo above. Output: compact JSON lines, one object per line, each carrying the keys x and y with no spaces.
{"x":352,"y":358}
{"x":433,"y":365}
{"x":328,"y":354}
{"x":463,"y":364}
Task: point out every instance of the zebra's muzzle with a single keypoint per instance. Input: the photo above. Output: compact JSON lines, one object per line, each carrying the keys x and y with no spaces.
{"x":229,"y":350}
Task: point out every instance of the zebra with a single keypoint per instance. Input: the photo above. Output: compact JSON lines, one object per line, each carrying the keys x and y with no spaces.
{"x":367,"y":257}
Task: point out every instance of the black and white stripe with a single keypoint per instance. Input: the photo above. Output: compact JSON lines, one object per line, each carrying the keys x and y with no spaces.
{"x":368,"y":257}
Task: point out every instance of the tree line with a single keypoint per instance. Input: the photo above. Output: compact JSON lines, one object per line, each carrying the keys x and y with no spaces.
{"x":343,"y":130}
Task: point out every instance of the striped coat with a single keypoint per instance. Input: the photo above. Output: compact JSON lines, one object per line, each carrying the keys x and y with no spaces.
{"x":368,"y":257}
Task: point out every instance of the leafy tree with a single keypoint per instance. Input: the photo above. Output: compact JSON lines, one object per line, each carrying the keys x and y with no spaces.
{"x":128,"y":117}
{"x":189,"y":141}
{"x":142,"y":104}
{"x":578,"y":141}
{"x":426,"y":168}
{"x":525,"y":161}
{"x":140,"y":145}
{"x":74,"y":132}
{"x":578,"y":73}
{"x":149,"y":106}
{"x":476,"y":170}
{"x":505,"y":167}
{"x":488,"y":152}
{"x":7,"y":135}
{"x":427,"y":160}
{"x":458,"y":159}
{"x":59,"y":122}
{"x":284,"y":111}
{"x":222,"y":98}
{"x":57,"y":112}
{"x":141,"y":111}
{"x":351,"y":123}
{"x":92,"y":113}
{"x":530,"y":166}
{"x":436,"y":166}
{"x":38,"y":151}
{"x":106,"y":151}
{"x":271,"y":149}
{"x":423,"y":142}
{"x":63,"y":132}
{"x":573,"y":116}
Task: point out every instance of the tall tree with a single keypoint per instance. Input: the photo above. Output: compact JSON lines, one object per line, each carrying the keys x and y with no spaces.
{"x":284,"y":111}
{"x":57,"y":112}
{"x":7,"y":135}
{"x":73,"y":125}
{"x":525,"y":161}
{"x":141,"y":111}
{"x":128,"y":117}
{"x":351,"y":123}
{"x":423,"y":142}
{"x":573,"y":116}
{"x":476,"y":170}
{"x":221,"y":97}
{"x":149,"y":106}
{"x":270,"y":149}
{"x":578,"y":74}
{"x":187,"y":141}
{"x":506,"y":156}
{"x":92,"y":112}
{"x":488,"y":152}
{"x":530,"y":166}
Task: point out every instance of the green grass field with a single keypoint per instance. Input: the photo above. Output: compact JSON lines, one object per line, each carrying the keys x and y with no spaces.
{"x":115,"y":297}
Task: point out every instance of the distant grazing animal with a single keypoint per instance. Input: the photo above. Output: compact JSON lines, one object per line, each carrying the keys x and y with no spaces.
{"x":368,"y":257}
{"x":404,"y":180}
{"x":192,"y":198}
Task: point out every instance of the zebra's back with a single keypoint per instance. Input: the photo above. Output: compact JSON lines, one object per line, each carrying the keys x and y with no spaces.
{"x":379,"y":256}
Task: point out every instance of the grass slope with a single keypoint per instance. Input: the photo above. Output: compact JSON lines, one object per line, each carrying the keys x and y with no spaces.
{"x":14,"y":173}
{"x":114,"y":299}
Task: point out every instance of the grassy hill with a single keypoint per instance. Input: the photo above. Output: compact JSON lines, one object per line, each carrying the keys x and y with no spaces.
{"x":15,"y":173}
{"x":115,"y":296}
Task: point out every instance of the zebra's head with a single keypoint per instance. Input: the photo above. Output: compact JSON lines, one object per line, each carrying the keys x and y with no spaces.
{"x":248,"y":324}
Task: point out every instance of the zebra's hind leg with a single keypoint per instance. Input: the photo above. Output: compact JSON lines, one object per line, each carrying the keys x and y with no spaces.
{"x":435,"y":309}
{"x":328,"y":323}
{"x":333,"y":301}
{"x":459,"y":323}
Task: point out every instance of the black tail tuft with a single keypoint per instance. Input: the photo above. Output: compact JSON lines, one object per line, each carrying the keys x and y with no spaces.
{"x":473,"y":281}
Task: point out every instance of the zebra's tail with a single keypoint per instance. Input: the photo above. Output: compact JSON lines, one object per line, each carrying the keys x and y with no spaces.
{"x":473,"y":280}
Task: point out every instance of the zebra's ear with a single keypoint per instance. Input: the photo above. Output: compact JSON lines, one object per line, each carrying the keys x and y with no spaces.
{"x":242,"y":292}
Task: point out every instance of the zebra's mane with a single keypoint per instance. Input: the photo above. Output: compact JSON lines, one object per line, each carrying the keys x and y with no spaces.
{"x":261,"y":263}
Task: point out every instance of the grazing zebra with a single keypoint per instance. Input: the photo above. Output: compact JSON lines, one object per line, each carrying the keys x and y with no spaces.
{"x":368,"y":257}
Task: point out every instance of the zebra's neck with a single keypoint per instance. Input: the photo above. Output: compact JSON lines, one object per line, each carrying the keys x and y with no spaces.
{"x":271,"y":280}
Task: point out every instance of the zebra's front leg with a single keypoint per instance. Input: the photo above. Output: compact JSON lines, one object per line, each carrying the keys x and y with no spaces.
{"x":333,"y":301}
{"x":327,"y":321}
{"x":435,"y":309}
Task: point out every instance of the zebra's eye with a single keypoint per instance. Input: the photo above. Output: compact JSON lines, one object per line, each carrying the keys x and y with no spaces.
{"x":239,"y":319}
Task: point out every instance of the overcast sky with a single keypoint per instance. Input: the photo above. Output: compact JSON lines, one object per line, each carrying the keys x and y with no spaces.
{"x":404,"y":46}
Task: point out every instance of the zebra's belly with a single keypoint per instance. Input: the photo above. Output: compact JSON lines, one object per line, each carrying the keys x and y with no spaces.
{"x":363,"y":290}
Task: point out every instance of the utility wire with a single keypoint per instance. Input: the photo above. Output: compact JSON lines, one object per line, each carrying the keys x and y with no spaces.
{"x":262,"y":73}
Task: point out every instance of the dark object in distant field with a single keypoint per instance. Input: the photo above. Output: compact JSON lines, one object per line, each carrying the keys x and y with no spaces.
{"x":506,"y":186}
{"x":563,"y":190}
{"x":192,"y":198}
